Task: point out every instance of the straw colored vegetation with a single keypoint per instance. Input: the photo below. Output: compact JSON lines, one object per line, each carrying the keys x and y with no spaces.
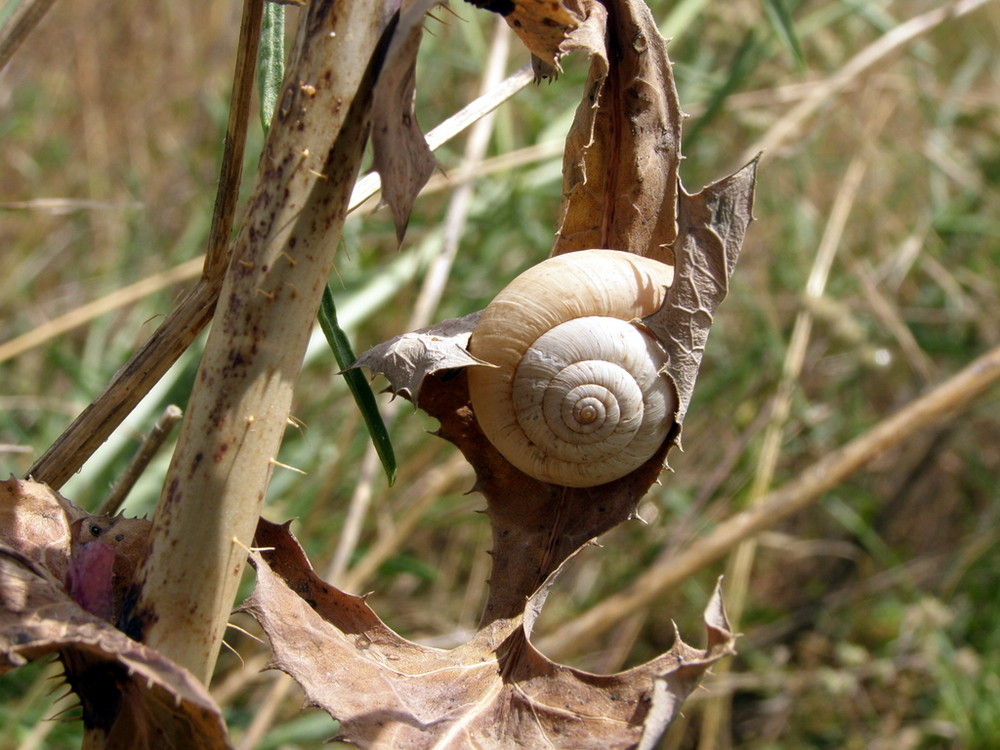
{"x":872,"y":275}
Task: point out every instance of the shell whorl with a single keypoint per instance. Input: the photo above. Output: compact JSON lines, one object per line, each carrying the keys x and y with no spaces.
{"x":578,"y":397}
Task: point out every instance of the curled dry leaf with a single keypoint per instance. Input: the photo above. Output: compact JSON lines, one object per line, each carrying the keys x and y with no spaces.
{"x":620,"y":180}
{"x":406,"y":360}
{"x":712,"y":225}
{"x":400,"y":153}
{"x":63,"y":575}
{"x":35,"y":522}
{"x":495,"y":691}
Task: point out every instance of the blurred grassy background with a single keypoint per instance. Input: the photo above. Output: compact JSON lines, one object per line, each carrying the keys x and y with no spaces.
{"x":870,"y":620}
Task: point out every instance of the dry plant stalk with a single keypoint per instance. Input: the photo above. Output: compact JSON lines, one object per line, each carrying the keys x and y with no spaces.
{"x":22,"y":20}
{"x":238,"y":411}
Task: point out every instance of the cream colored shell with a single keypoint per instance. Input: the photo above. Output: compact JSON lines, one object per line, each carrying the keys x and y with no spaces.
{"x":578,"y":397}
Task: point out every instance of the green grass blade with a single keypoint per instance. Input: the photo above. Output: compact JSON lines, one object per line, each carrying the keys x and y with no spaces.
{"x":777,"y":13}
{"x":270,"y":60}
{"x":360,"y":388}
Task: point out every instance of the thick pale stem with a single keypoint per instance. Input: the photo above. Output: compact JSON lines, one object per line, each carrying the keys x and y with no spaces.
{"x":239,"y":408}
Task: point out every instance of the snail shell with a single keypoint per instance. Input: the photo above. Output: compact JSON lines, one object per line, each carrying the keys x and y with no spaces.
{"x":579,"y":396}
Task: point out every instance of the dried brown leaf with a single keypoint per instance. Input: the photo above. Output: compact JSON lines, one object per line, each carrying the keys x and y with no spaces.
{"x":406,"y":360}
{"x":54,"y":558}
{"x":35,"y":521}
{"x":400,"y":153}
{"x":622,"y":153}
{"x":94,"y":556}
{"x":495,"y":691}
{"x":712,"y":226}
{"x":129,"y":694}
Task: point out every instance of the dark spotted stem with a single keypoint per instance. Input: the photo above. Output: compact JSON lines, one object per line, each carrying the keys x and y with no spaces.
{"x":239,"y":408}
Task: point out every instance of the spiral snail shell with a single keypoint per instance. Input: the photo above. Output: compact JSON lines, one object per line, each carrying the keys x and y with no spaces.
{"x":578,"y":397}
